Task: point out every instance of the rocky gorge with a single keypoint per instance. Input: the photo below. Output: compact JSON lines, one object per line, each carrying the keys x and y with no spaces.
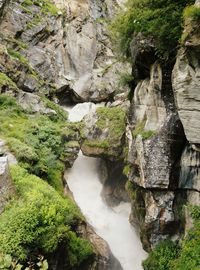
{"x":143,"y":128}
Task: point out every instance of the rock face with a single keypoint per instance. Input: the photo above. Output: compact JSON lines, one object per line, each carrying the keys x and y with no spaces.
{"x":156,"y":140}
{"x":67,"y":46}
{"x":6,"y":186}
{"x":163,"y":137}
{"x":186,"y":83}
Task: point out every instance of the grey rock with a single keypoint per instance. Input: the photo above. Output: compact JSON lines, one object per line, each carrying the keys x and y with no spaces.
{"x":186,"y":85}
{"x":157,"y":158}
{"x":6,"y":186}
{"x":72,"y":51}
{"x":190,"y":169}
{"x":33,"y":103}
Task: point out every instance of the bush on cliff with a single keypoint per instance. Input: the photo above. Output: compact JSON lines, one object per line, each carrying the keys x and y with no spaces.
{"x":169,"y":256}
{"x":159,"y":19}
{"x":38,"y":221}
{"x":161,"y":257}
{"x":36,"y":140}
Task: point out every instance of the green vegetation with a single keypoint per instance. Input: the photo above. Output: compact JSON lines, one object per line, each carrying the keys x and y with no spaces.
{"x":139,"y":130}
{"x":169,"y":256}
{"x":78,"y":249}
{"x":162,"y":256}
{"x":59,"y":111}
{"x":17,"y":55}
{"x":125,"y":79}
{"x":36,"y":140}
{"x":127,"y":169}
{"x":47,"y":6}
{"x":159,"y":19}
{"x":7,"y":82}
{"x":39,"y":221}
{"x":192,"y":13}
{"x":112,"y":120}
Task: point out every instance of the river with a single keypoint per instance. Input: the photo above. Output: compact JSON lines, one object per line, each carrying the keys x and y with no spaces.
{"x":112,"y":224}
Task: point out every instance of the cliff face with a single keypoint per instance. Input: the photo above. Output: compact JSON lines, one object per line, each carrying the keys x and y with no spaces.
{"x":67,"y":46}
{"x":164,"y":138}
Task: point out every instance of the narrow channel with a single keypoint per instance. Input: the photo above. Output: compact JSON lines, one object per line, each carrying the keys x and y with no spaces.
{"x":112,"y":224}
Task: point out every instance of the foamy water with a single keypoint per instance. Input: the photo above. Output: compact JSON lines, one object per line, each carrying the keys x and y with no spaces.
{"x":112,"y":224}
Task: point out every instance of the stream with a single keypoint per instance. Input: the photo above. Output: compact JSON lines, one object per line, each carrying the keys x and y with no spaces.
{"x":111,"y":223}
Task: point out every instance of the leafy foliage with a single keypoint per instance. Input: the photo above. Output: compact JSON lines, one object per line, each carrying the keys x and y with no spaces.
{"x":159,"y":19}
{"x":190,"y":253}
{"x":78,"y":249}
{"x":169,"y":256}
{"x":161,"y":256}
{"x":192,"y":13}
{"x":41,"y":220}
{"x":37,"y":141}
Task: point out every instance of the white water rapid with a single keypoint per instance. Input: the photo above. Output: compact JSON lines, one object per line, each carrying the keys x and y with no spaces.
{"x":112,"y":224}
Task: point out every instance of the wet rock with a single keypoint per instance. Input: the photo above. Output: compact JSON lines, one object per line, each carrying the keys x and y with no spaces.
{"x":147,"y":101}
{"x":70,"y":153}
{"x":157,"y":156}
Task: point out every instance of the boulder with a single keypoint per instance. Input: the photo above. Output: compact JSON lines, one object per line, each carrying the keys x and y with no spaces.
{"x":103,"y":133}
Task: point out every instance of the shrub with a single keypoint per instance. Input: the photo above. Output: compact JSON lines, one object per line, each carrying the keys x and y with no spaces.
{"x":159,"y":19}
{"x":192,"y":13}
{"x":37,"y":141}
{"x":41,"y":218}
{"x":169,"y":256}
{"x":160,"y":258}
{"x":22,"y":151}
{"x":78,"y":249}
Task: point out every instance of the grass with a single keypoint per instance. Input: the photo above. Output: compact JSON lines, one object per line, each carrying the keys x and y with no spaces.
{"x":15,"y":54}
{"x":47,"y":6}
{"x":139,"y":130}
{"x":6,"y":81}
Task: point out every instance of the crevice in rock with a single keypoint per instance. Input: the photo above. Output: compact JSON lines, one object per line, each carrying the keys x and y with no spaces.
{"x":66,"y":96}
